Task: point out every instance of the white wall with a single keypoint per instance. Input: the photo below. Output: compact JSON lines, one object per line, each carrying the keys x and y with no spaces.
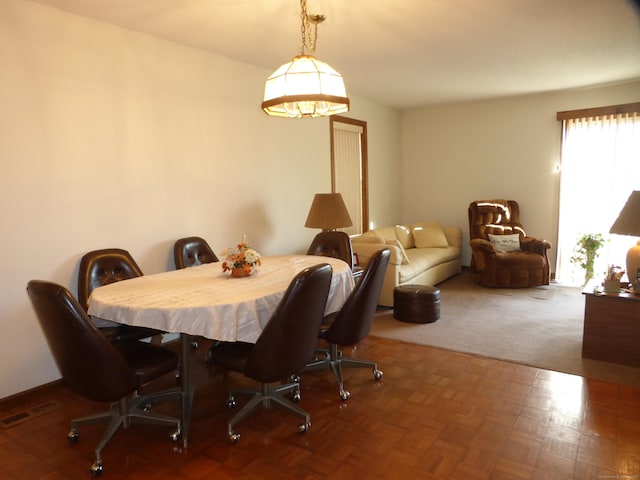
{"x":385,"y":179}
{"x":507,"y":148}
{"x":110,"y":138}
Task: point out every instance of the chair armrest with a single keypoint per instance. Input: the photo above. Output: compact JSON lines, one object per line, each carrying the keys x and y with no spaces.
{"x":531,"y":244}
{"x":482,"y":245}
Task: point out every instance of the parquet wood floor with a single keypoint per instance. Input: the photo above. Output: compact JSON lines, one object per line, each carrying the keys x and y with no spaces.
{"x":436,"y":414}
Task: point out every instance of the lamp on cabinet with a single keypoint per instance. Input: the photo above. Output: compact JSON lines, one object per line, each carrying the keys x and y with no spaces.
{"x":628,"y":223}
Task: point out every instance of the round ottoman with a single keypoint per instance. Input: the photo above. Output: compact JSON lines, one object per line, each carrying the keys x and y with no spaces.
{"x":416,"y":303}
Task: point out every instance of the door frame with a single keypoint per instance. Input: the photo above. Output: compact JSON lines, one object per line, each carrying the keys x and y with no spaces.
{"x":364,"y":194}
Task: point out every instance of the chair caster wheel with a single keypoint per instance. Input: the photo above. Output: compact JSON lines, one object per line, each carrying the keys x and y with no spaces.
{"x":72,"y":436}
{"x":304,"y":427}
{"x":377,"y":374}
{"x":234,"y":438}
{"x":296,"y":397}
{"x":97,"y":468}
{"x":175,"y":436}
{"x":344,"y":395}
{"x":231,"y":402}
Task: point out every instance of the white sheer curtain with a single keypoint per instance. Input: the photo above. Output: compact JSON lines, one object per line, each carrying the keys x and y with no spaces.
{"x":600,"y":168}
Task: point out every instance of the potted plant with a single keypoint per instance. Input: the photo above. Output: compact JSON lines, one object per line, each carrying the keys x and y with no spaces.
{"x":586,"y":251}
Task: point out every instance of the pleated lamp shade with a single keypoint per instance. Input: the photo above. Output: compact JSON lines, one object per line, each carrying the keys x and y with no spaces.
{"x":328,"y":212}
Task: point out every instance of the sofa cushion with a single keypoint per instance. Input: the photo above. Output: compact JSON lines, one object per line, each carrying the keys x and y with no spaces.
{"x":429,"y":235}
{"x":421,"y":259}
{"x":405,"y":236}
{"x":505,"y":243}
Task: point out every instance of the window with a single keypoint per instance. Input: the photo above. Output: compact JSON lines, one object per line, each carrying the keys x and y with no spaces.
{"x":600,"y":168}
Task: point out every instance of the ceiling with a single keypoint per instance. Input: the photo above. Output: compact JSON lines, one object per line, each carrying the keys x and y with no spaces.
{"x":408,"y":53}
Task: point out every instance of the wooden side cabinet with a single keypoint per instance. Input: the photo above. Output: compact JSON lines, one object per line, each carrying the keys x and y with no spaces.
{"x":611,"y":327}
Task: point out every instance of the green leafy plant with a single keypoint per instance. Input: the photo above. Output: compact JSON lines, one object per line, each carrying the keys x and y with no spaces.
{"x":585,"y":252}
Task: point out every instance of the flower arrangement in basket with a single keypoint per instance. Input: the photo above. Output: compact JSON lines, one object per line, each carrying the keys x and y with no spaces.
{"x":241,"y":260}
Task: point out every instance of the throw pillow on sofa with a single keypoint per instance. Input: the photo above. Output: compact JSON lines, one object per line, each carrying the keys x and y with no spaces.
{"x":429,"y":235}
{"x":404,"y":236}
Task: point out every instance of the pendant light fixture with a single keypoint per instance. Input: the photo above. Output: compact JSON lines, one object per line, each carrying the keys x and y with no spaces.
{"x":305,"y":87}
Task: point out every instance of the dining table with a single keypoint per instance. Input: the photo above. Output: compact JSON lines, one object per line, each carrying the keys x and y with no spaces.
{"x":205,"y":301}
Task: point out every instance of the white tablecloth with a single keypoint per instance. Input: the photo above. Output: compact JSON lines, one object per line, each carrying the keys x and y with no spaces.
{"x":205,"y":301}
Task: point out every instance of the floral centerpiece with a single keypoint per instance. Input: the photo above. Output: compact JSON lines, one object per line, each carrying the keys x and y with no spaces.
{"x":241,"y":260}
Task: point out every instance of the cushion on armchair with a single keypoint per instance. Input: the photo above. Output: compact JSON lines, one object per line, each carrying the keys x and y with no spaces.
{"x":505,"y":243}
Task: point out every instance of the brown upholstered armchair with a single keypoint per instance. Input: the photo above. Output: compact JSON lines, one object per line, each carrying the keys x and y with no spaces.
{"x":499,"y":257}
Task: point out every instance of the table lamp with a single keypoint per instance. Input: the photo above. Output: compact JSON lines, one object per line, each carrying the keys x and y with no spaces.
{"x":328,"y":212}
{"x":628,"y":223}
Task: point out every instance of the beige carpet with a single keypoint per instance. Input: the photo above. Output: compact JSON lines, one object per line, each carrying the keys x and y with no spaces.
{"x":541,"y":327}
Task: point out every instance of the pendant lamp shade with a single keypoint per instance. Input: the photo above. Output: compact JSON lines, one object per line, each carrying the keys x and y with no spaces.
{"x":305,"y":87}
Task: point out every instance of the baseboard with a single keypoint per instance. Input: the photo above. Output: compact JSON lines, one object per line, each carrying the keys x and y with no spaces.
{"x":20,"y":400}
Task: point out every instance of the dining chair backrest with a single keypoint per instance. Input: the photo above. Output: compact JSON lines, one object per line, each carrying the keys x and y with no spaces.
{"x":102,"y":267}
{"x":89,"y":364}
{"x":353,"y":322}
{"x":334,"y":244}
{"x":192,"y":251}
{"x":289,"y":339}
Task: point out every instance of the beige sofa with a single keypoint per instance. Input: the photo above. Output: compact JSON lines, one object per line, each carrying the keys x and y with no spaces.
{"x":423,"y":253}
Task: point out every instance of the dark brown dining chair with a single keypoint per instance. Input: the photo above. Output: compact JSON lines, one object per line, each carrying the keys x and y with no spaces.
{"x":332,"y":244}
{"x":102,"y":267}
{"x":351,"y":324}
{"x":283,"y":349}
{"x":99,"y":370}
{"x":192,"y":251}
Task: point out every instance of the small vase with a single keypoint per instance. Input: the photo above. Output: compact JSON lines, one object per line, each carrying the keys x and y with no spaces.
{"x":239,"y":272}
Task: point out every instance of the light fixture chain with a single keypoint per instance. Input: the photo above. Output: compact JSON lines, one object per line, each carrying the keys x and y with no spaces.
{"x":313,"y":41}
{"x":309,"y":29}
{"x":303,"y":27}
